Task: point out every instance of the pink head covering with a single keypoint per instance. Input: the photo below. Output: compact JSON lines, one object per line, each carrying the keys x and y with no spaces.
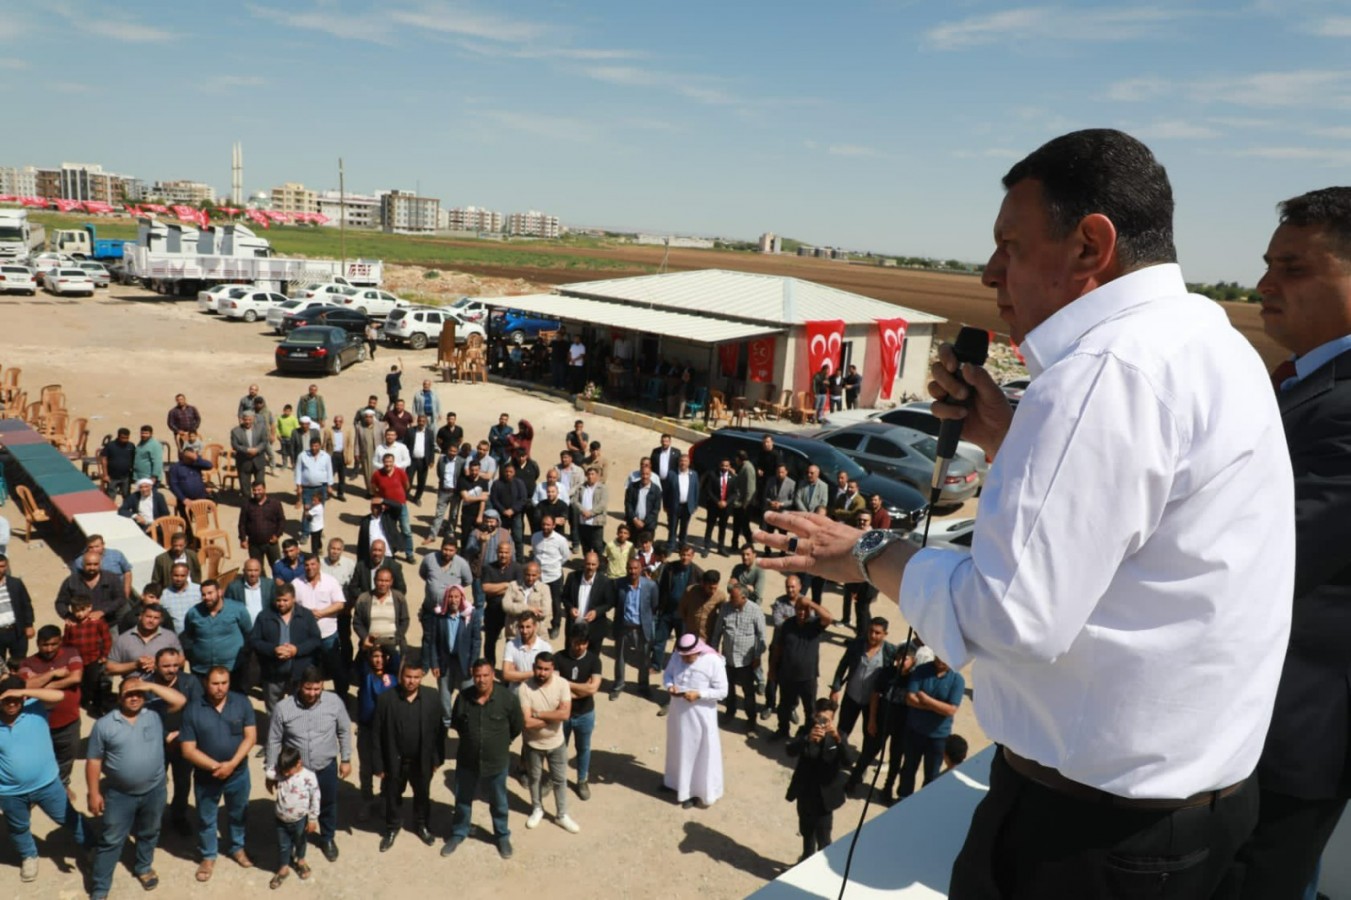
{"x":690,"y":643}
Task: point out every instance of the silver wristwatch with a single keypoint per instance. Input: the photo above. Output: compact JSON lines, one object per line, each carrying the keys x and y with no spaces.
{"x":872,"y":545}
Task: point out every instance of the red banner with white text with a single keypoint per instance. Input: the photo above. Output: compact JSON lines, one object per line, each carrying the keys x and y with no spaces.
{"x":892,"y":335}
{"x":824,"y":340}
{"x":761,"y":360}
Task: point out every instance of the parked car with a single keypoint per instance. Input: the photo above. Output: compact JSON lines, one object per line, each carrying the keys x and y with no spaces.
{"x":904,"y":454}
{"x":907,"y":506}
{"x":1014,"y":390}
{"x":45,"y":262}
{"x":519,"y":327}
{"x":97,"y":272}
{"x":372,"y":302}
{"x":121,"y":273}
{"x":319,"y":348}
{"x":250,"y":305}
{"x":470,"y":309}
{"x":348,"y":320}
{"x":276,"y":314}
{"x":329,"y":292}
{"x":914,"y":415}
{"x":421,"y":325}
{"x":16,"y":279}
{"x":208,"y":300}
{"x":946,"y":535}
{"x":68,"y":280}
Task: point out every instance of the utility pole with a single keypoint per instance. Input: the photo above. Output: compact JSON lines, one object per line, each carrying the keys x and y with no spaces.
{"x":342,"y":216}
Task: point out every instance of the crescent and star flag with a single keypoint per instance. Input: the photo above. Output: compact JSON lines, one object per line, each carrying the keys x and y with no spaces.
{"x":824,"y":340}
{"x":760,"y":352}
{"x":892,"y":335}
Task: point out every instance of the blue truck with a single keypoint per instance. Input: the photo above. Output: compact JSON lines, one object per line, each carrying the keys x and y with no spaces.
{"x":84,"y":243}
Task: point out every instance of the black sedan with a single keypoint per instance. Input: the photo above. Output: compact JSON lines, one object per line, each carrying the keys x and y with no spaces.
{"x":349,"y":320}
{"x":907,"y":506}
{"x":319,"y":348}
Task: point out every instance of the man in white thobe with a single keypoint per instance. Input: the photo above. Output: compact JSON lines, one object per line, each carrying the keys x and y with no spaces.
{"x":696,"y":678}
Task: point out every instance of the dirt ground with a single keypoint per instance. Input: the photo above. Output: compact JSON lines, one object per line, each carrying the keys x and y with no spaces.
{"x":122,"y":356}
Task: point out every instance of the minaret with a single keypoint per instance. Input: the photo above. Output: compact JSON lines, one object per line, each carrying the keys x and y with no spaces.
{"x":237,"y":174}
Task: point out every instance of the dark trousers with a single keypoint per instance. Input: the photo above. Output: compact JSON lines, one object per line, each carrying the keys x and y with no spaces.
{"x":741,"y":526}
{"x":328,"y":800}
{"x":668,"y":623}
{"x":742,"y":678}
{"x":718,"y":517}
{"x":678,"y":525}
{"x":815,"y":831}
{"x":335,"y":667}
{"x":920,"y":748}
{"x":417,"y":479}
{"x":404,"y":774}
{"x":266,"y":553}
{"x":494,"y":622}
{"x":181,"y":770}
{"x":13,"y":644}
{"x":850,"y":711}
{"x":631,"y":637}
{"x":340,"y":474}
{"x":96,"y":689}
{"x":1281,"y":856}
{"x":291,"y":841}
{"x":891,"y":728}
{"x":251,"y":471}
{"x":66,"y":746}
{"x":858,"y":594}
{"x":1026,"y":840}
{"x":592,"y":538}
{"x":558,"y":613}
{"x":792,"y":693}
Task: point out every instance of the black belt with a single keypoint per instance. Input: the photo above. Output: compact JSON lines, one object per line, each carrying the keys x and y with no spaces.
{"x":1052,"y":780}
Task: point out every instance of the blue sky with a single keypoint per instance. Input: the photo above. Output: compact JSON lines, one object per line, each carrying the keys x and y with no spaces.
{"x":872,"y":125}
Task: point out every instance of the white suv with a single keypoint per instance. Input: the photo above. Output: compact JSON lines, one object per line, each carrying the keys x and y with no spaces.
{"x":17,"y":279}
{"x":421,"y":325}
{"x":370,"y":302}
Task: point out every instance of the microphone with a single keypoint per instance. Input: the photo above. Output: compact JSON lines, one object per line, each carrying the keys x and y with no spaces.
{"x":972,"y":346}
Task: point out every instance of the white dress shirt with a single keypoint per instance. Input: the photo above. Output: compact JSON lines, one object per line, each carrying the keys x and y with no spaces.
{"x":552,"y":553}
{"x":401,"y":458}
{"x":314,"y":469}
{"x":584,"y":596}
{"x":1133,"y":559}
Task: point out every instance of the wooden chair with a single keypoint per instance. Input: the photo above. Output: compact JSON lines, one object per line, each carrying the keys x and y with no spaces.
{"x":741,"y":410}
{"x":205,"y":523}
{"x":32,"y":513}
{"x":805,"y":409}
{"x":211,"y":559}
{"x":225,"y":468}
{"x":164,"y":528}
{"x":784,"y":408}
{"x":225,"y":578}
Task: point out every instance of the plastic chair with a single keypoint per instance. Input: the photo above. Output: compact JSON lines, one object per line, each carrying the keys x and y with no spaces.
{"x":225,"y":466}
{"x":698,"y":403}
{"x":32,"y":513}
{"x":9,"y":382}
{"x":717,"y":407}
{"x":204,"y":520}
{"x":211,"y":560}
{"x":165,"y":527}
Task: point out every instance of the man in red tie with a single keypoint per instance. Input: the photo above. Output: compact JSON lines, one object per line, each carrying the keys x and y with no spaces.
{"x":718,"y":506}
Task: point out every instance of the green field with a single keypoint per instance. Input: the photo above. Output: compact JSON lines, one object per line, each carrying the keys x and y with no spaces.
{"x":430,"y":252}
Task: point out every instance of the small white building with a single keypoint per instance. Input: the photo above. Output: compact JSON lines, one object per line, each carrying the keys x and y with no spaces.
{"x":690,"y":316}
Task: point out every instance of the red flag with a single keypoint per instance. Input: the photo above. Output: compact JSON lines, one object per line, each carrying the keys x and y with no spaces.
{"x":8,"y":198}
{"x":259,"y":218}
{"x":728,"y":353}
{"x":761,"y":354}
{"x":892,"y":334}
{"x":33,"y":201}
{"x":824,"y":339}
{"x":1017,"y":352}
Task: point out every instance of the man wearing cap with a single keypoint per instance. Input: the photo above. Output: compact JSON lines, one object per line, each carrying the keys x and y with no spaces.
{"x":249,"y":441}
{"x":144,"y":505}
{"x":696,"y":679}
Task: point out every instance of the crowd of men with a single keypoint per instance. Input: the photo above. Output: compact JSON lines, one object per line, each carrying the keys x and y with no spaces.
{"x":520,"y":591}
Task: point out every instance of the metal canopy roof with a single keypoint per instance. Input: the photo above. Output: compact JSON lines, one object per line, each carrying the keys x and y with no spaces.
{"x":697,"y":328}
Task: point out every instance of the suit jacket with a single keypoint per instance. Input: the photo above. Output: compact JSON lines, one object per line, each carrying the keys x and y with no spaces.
{"x":345,"y":458}
{"x":653,"y":509}
{"x":600,"y":601}
{"x":428,"y":445}
{"x":647,"y":606}
{"x":743,"y":486}
{"x":433,"y":733}
{"x":597,"y":501}
{"x":236,"y":590}
{"x":672,"y":453}
{"x":361,"y":577}
{"x":437,"y":653}
{"x":782,"y":491}
{"x":670,"y":493}
{"x":432,"y":412}
{"x":128,"y":508}
{"x":389,"y":524}
{"x":266,"y":635}
{"x":853,"y":653}
{"x":164,"y":565}
{"x":712,"y":485}
{"x":239,"y":443}
{"x":19,"y":600}
{"x":361,"y":618}
{"x":809,"y":497}
{"x":1307,"y":748}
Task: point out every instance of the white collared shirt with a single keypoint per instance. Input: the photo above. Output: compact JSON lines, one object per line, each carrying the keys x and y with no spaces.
{"x":420,"y":444}
{"x":1127,"y":595}
{"x":683,"y":483}
{"x":584,"y":595}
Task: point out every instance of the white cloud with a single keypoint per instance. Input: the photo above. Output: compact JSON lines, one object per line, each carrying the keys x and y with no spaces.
{"x":230,"y":82}
{"x":1325,"y":156}
{"x":1175,"y":129}
{"x":1317,"y":88}
{"x":107,"y":22}
{"x":331,"y":22}
{"x":703,"y":90}
{"x":456,"y":18}
{"x":1333,"y":26}
{"x":1050,"y":23}
{"x":564,"y":128}
{"x":1135,"y":90}
{"x":855,"y":150}
{"x":989,"y":153}
{"x":582,"y":54}
{"x":1337,"y":133}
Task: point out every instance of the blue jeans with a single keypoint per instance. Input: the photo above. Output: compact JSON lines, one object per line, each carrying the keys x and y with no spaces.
{"x":328,"y":801}
{"x":291,"y":841}
{"x":52,"y":798}
{"x":208,"y":791}
{"x":583,"y":725}
{"x":467,"y":781}
{"x":307,"y":495}
{"x":405,"y":526}
{"x":123,"y":814}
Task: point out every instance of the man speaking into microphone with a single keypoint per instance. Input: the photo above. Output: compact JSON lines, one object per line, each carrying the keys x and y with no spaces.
{"x":1126,"y":598}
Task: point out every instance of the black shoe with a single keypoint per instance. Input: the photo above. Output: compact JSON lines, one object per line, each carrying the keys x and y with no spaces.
{"x":583,"y":790}
{"x":778,"y":734}
{"x":664,"y":711}
{"x":765,"y":714}
{"x":504,"y":848}
{"x":330,"y":851}
{"x":451,"y":846}
{"x":182,"y":825}
{"x":426,"y":836}
{"x":387,"y":840}
{"x":614,"y":694}
{"x":688,"y":804}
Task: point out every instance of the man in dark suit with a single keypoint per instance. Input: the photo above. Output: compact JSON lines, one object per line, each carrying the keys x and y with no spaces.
{"x":718,"y":493}
{"x":249,"y":441}
{"x":426,"y":444}
{"x":635,"y":606}
{"x":1305,"y":769}
{"x":680,"y":496}
{"x":410,"y":745}
{"x":587,"y":597}
{"x":363,"y":574}
{"x":381,"y":524}
{"x":642,"y":504}
{"x":144,"y":499}
{"x":663,"y":459}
